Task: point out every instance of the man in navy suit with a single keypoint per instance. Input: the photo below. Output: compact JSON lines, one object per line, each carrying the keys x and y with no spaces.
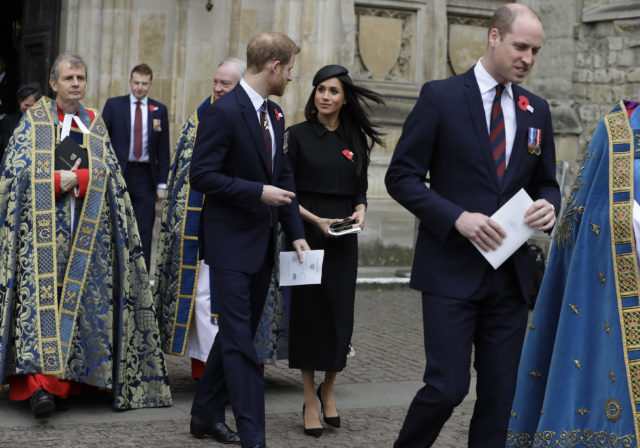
{"x":239,"y":164}
{"x":481,"y":138}
{"x":139,"y":131}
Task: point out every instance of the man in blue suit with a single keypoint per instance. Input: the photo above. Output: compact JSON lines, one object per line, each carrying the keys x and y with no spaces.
{"x":139,"y":131}
{"x":481,"y":138}
{"x":239,"y":164}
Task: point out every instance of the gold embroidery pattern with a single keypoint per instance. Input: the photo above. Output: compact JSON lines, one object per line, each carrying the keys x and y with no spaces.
{"x":571,"y":215}
{"x":574,"y":309}
{"x":576,"y":363}
{"x":44,"y":245}
{"x":627,"y":278}
{"x":44,"y":228}
{"x":613,"y":410}
{"x":622,"y":176}
{"x":78,"y":265}
{"x":617,"y":125}
{"x":602,"y":277}
{"x":570,"y":439}
{"x":625,"y":265}
{"x":595,"y":229}
{"x":186,"y":297}
{"x":535,"y":374}
{"x":607,"y":327}
{"x":621,"y":223}
{"x":632,"y":326}
{"x":634,"y":370}
{"x":612,"y":376}
{"x":583,"y":411}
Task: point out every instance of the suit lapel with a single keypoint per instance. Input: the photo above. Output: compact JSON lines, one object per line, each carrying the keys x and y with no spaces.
{"x":517,"y":151}
{"x":476,"y":109}
{"x":150,"y":133}
{"x":126,"y":103}
{"x":251,"y":118}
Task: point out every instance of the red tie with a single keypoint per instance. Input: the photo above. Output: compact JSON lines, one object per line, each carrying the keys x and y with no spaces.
{"x":137,"y":132}
{"x":267,"y":135}
{"x":496,"y":134}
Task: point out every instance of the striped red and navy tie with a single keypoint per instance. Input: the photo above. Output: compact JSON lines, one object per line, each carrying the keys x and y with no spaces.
{"x":496,"y":134}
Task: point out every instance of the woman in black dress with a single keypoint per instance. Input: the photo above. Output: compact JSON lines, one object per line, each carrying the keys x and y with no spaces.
{"x":329,"y":155}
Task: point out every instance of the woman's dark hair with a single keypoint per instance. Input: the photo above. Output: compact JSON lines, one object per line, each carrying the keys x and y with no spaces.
{"x":361,"y":132}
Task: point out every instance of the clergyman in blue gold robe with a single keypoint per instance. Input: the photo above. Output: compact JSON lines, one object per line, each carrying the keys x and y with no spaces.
{"x":75,"y":304}
{"x":579,"y":375}
{"x":185,"y":300}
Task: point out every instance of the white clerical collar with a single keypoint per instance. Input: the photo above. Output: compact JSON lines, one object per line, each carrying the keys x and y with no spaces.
{"x":66,"y":125}
{"x":486,"y":81}
{"x":254,"y":96}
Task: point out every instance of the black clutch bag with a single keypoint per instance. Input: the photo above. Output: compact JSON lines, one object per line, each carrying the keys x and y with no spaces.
{"x":67,"y":152}
{"x":343,"y":227}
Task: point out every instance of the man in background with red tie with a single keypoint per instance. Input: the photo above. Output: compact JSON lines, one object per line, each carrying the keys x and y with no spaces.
{"x":139,"y":130}
{"x":481,"y":138}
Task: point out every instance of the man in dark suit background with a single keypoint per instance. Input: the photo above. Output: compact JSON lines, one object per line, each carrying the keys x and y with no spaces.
{"x":139,"y":131}
{"x":239,"y":164}
{"x":478,"y":153}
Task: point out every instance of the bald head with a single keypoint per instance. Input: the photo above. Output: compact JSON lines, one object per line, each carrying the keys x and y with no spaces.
{"x":228,"y":74}
{"x":504,"y":17}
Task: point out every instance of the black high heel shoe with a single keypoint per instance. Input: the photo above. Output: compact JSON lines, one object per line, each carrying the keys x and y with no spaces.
{"x":332,"y":421}
{"x":315,"y":432}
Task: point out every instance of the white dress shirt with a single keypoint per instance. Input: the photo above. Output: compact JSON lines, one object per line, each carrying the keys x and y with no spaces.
{"x":144,"y":106}
{"x":257,"y":102}
{"x":487,"y":86}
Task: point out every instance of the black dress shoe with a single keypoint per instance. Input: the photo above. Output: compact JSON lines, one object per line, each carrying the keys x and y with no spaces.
{"x":42,"y":403}
{"x":219,"y":431}
{"x":315,"y":432}
{"x":333,"y":421}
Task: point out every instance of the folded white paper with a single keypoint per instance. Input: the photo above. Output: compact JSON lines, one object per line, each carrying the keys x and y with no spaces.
{"x":511,"y":218}
{"x":293,"y":273}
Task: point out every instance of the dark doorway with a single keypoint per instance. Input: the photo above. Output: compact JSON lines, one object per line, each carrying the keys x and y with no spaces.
{"x":10,"y":22}
{"x":29,"y":35}
{"x":39,"y":39}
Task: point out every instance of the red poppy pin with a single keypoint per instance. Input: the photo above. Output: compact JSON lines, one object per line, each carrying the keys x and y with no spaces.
{"x":523,"y":103}
{"x":153,"y":108}
{"x":348,"y":154}
{"x":278,"y":114}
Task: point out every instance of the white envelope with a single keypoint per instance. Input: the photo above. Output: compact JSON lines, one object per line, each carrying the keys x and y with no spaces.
{"x":511,"y":218}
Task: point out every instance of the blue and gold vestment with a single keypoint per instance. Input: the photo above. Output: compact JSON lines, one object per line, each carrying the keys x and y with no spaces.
{"x":579,"y":375}
{"x":75,"y":301}
{"x":178,"y":262}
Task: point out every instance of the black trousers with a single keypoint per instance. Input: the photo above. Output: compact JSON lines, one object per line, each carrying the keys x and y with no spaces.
{"x":143,"y":199}
{"x":493,"y":320}
{"x":232,"y":370}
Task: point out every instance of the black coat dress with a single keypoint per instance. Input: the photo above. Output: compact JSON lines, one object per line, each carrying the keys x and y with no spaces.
{"x":321,"y":322}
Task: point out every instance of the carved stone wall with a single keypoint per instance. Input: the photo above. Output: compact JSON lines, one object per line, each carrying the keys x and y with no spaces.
{"x":589,"y":60}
